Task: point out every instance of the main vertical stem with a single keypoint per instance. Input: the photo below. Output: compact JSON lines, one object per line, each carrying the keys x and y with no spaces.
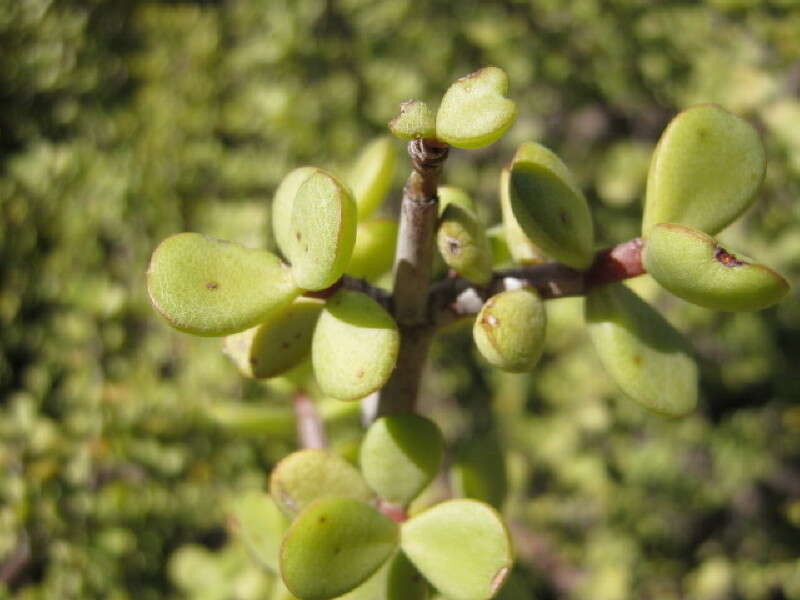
{"x":412,"y":274}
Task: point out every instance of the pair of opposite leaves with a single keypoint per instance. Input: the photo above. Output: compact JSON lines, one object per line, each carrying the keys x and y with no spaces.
{"x":338,"y":543}
{"x":705,"y":172}
{"x":210,"y":287}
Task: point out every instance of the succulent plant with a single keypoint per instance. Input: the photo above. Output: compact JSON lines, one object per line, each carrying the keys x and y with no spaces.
{"x":356,"y":533}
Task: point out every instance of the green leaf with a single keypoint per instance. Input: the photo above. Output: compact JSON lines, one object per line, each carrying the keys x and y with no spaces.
{"x":259,"y":523}
{"x":522,"y":250}
{"x":509,"y":330}
{"x":461,"y":546}
{"x":501,"y":255}
{"x":415,"y":120}
{"x":450,"y":194}
{"x":251,"y":419}
{"x":694,"y":267}
{"x":400,"y":455}
{"x":479,"y":470}
{"x":209,"y":287}
{"x":334,"y":545}
{"x":279,"y":344}
{"x":641,"y":351}
{"x":355,"y":346}
{"x":323,"y":231}
{"x":549,"y":206}
{"x":373,"y":253}
{"x":397,"y":579}
{"x":282,"y":205}
{"x":706,"y":170}
{"x":463,"y":244}
{"x":372,"y":174}
{"x":307,"y":475}
{"x":474,"y":110}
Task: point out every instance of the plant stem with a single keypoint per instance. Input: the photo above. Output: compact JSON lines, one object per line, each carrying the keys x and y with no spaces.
{"x":412,"y":273}
{"x":310,"y":432}
{"x":455,"y":298}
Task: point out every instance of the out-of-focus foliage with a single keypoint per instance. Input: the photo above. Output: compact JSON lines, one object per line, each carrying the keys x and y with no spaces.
{"x":124,"y":122}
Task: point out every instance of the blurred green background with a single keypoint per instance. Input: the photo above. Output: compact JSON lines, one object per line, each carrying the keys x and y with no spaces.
{"x":122,"y":122}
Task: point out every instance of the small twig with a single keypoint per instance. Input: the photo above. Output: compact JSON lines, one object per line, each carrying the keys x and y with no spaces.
{"x":381,"y":296}
{"x":310,"y":432}
{"x":413,"y":262}
{"x":616,"y":263}
{"x":538,"y":552}
{"x":17,"y":561}
{"x":455,"y":298}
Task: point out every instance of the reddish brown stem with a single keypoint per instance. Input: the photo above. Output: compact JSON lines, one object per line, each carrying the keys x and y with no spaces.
{"x":454,"y":298}
{"x":616,"y":263}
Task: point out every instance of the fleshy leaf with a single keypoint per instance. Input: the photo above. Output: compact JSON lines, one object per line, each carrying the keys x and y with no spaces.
{"x":400,"y":455}
{"x":501,"y":255}
{"x":282,"y":205}
{"x":323,"y":231}
{"x":373,"y":253}
{"x":397,"y":579}
{"x":209,"y":287}
{"x":450,"y":194}
{"x":259,"y":524}
{"x":692,"y":266}
{"x":641,"y":351}
{"x":549,"y":206}
{"x":333,"y":546}
{"x":510,"y":328}
{"x":522,"y":250}
{"x":277,"y":345}
{"x":461,"y":546}
{"x":705,"y":172}
{"x":463,"y":244}
{"x":354,"y":347}
{"x":479,"y":471}
{"x":474,"y":111}
{"x":372,"y":175}
{"x":251,"y":419}
{"x":308,"y":475}
{"x":415,"y":120}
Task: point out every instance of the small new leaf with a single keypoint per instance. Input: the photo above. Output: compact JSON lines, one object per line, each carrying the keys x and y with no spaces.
{"x":415,"y":120}
{"x":474,"y":110}
{"x":463,"y":244}
{"x":509,"y":330}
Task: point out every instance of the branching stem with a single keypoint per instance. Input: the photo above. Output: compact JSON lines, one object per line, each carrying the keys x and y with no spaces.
{"x":421,"y":308}
{"x":413,"y":261}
